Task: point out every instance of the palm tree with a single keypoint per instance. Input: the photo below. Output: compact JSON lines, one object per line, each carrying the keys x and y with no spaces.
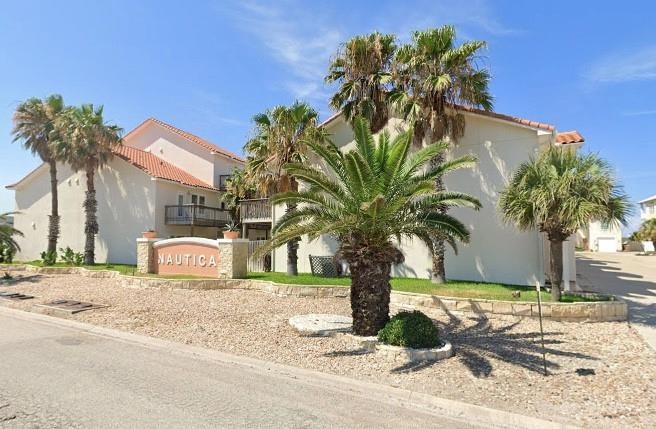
{"x":92,"y":142}
{"x":368,"y":199}
{"x":434,"y":81}
{"x":8,"y":245}
{"x":558,"y":193}
{"x":362,"y":69}
{"x":648,"y":231}
{"x":237,"y":189}
{"x":34,"y":125}
{"x":279,"y":140}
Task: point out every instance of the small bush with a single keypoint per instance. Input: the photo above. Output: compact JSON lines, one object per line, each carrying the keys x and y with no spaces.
{"x":6,"y":254}
{"x":49,"y":258}
{"x":410,"y":329}
{"x":70,"y":257}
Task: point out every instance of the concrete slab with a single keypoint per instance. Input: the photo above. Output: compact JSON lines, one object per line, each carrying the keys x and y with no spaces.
{"x":321,"y":325}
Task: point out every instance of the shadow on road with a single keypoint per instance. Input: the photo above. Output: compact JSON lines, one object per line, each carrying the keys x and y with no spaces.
{"x":598,"y":275}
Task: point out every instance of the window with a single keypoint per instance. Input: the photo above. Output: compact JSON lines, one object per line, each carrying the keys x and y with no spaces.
{"x":201,"y":203}
{"x":605,"y":226}
{"x":194,"y":199}
{"x":180,"y":203}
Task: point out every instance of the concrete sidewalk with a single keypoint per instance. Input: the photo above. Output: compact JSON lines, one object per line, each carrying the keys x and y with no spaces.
{"x":56,"y":372}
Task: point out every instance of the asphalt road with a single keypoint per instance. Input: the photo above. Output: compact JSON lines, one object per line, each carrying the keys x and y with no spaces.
{"x":55,"y":375}
{"x":628,"y":275}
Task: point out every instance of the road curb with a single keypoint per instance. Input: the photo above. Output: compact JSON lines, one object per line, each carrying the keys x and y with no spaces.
{"x":469,"y":413}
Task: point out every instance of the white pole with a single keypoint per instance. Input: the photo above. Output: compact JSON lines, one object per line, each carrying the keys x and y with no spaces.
{"x":566,"y":266}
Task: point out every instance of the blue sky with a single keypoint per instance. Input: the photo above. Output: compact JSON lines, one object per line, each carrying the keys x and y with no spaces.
{"x":209,"y":66}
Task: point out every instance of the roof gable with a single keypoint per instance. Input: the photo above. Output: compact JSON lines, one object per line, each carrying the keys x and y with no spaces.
{"x":192,"y":138}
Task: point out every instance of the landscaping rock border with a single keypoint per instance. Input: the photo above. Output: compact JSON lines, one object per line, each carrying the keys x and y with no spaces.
{"x":600,"y":311}
{"x":407,"y":355}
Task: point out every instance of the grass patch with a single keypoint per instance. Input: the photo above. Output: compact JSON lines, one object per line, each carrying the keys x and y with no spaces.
{"x":454,"y":288}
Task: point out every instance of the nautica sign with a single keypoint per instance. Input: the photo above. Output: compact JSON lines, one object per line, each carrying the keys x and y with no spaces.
{"x":188,"y":255}
{"x":188,"y":260}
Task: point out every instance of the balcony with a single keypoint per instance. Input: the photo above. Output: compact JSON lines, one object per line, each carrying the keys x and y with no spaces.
{"x":196,"y":215}
{"x":255,"y":210}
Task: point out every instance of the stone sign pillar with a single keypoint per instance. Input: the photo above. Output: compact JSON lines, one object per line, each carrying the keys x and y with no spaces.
{"x":145,"y":260}
{"x":233,"y":258}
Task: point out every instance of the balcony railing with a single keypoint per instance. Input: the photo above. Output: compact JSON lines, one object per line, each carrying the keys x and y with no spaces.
{"x":196,"y":215}
{"x":256,"y":210}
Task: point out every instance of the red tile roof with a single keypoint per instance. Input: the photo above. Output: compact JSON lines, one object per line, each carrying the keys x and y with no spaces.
{"x":509,"y":118}
{"x":157,"y":167}
{"x":568,"y":137}
{"x":191,"y":138}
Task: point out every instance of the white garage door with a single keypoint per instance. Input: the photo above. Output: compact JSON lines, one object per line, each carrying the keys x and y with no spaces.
{"x":607,"y":245}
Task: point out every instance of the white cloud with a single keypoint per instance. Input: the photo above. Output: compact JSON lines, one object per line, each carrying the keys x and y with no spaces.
{"x":303,"y":36}
{"x":625,"y":67}
{"x":301,"y":41}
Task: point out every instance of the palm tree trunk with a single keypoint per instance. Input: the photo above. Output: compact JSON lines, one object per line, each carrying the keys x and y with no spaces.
{"x":370,"y":294}
{"x":438,"y":273}
{"x":556,"y":267}
{"x":292,"y":249}
{"x":53,"y":221}
{"x":91,"y":222}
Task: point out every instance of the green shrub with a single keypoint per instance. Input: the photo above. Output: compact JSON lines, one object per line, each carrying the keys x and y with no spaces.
{"x":410,"y":329}
{"x":70,"y":257}
{"x":49,"y":258}
{"x":6,"y":254}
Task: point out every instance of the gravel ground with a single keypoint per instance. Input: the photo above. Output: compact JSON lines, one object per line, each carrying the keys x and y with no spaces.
{"x":602,"y":374}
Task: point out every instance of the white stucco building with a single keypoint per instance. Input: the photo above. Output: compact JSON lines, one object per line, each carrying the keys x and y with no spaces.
{"x":497,"y":252}
{"x":166,"y":179}
{"x":162,"y":179}
{"x":600,"y":237}
{"x":648,"y":208}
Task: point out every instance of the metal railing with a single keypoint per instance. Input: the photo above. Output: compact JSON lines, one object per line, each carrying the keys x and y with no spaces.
{"x":255,"y":210}
{"x":196,"y":215}
{"x":258,"y":265}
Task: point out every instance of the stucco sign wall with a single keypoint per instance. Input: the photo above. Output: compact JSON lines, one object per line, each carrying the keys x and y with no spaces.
{"x":192,"y":255}
{"x":195,"y":256}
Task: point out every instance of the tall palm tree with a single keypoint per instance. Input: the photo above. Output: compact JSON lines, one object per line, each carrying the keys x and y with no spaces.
{"x":8,"y":244}
{"x":362,"y":68}
{"x":280,"y":136}
{"x":434,"y":81}
{"x":92,"y":142}
{"x":648,"y":231}
{"x":558,"y":193}
{"x":368,"y":199}
{"x":34,"y":125}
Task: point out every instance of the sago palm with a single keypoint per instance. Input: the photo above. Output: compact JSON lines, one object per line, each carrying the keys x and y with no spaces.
{"x":278,"y":140}
{"x":8,"y":244}
{"x":434,"y":80}
{"x":362,"y":70}
{"x":91,"y":142}
{"x":34,"y":125}
{"x":368,"y":199}
{"x":558,"y":193}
